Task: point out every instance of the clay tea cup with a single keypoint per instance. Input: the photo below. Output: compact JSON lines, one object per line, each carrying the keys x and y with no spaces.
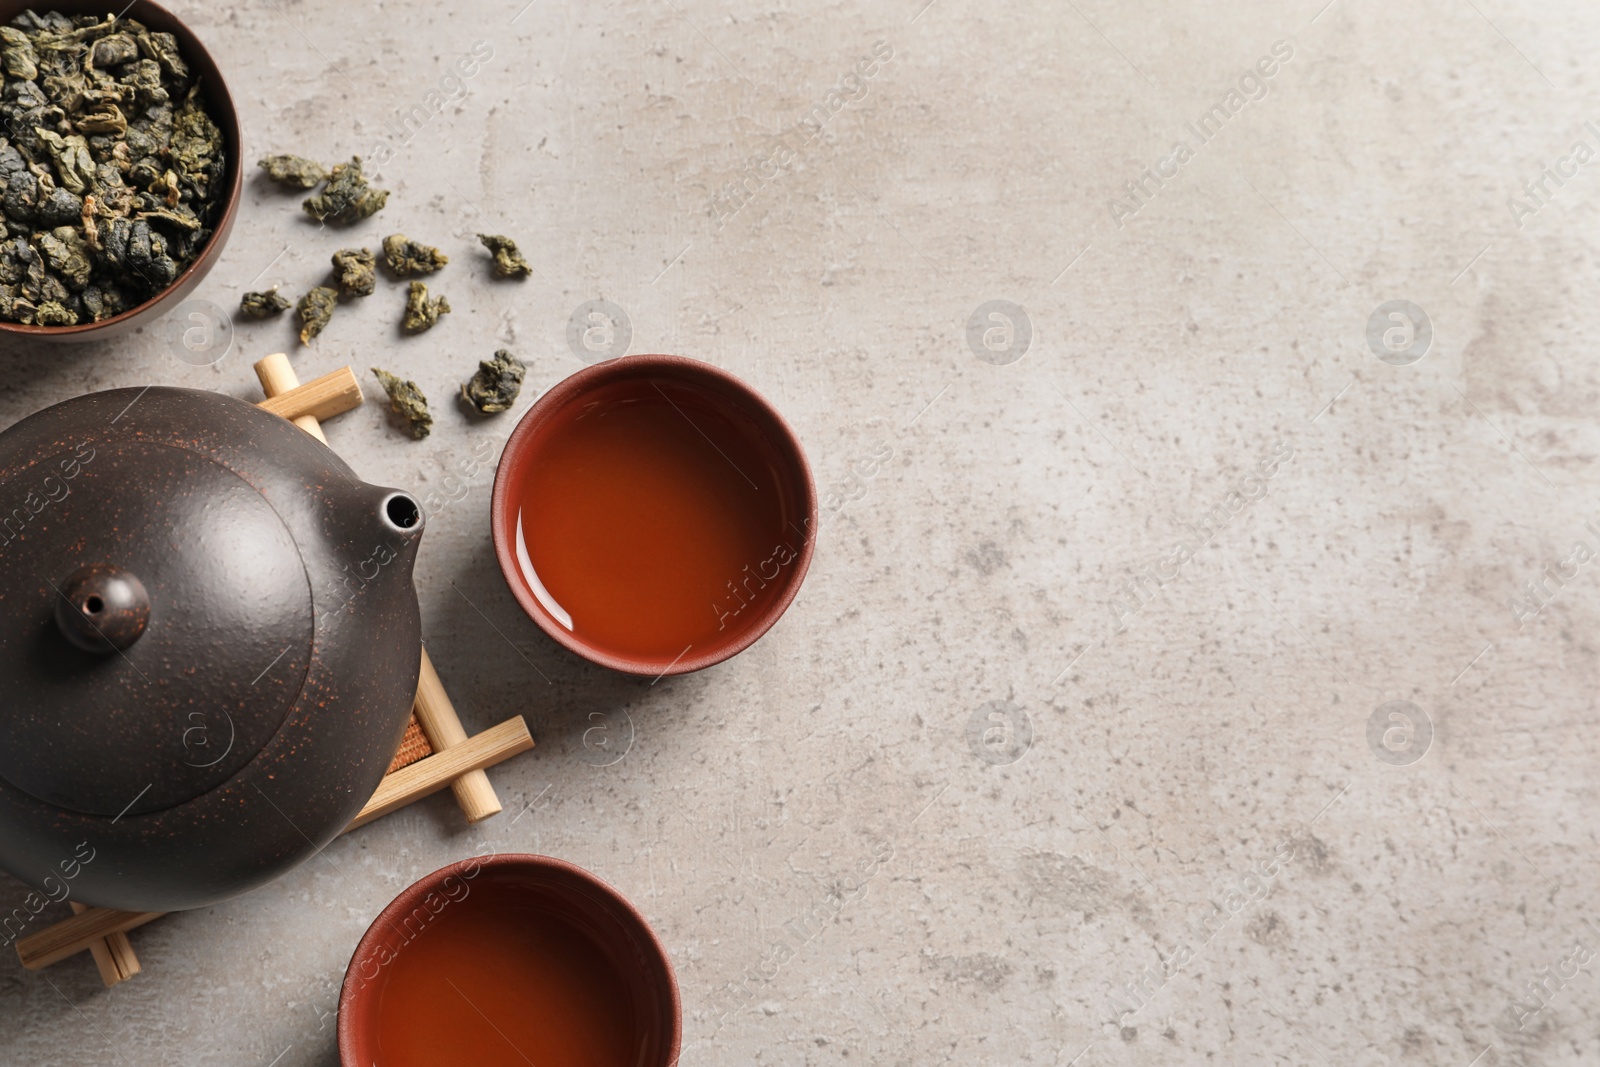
{"x":654,"y":514}
{"x":509,"y":959}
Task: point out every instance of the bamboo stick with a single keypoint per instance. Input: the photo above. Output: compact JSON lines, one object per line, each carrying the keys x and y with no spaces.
{"x":277,"y":376}
{"x":494,"y":745}
{"x":113,"y":954}
{"x":76,"y":933}
{"x":321,"y":398}
{"x":439,"y":722}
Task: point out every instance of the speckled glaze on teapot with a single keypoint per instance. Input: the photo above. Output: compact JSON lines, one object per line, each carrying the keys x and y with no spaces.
{"x":209,"y":642}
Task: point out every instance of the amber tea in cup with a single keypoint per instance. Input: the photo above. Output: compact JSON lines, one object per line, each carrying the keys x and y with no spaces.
{"x":509,"y":960}
{"x":654,"y":514}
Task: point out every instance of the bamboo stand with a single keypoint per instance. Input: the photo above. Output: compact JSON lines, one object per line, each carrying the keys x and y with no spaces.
{"x":435,"y":752}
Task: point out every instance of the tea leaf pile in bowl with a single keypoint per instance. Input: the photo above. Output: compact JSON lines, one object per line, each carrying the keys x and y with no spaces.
{"x":111,"y":169}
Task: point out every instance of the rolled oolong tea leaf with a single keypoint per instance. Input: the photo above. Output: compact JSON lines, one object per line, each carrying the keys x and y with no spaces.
{"x":346,"y":197}
{"x":66,"y":251}
{"x":163,"y":48}
{"x":355,"y":268}
{"x":406,"y":257}
{"x":497,"y":383}
{"x":315,"y":309}
{"x":422,"y":313}
{"x":508,"y":262}
{"x":294,"y":172}
{"x":148,"y":255}
{"x":52,"y":313}
{"x":101,"y":300}
{"x":111,"y":167}
{"x":263,"y":305}
{"x":407,"y":401}
{"x":114,"y":50}
{"x":74,"y":167}
{"x":17,"y":54}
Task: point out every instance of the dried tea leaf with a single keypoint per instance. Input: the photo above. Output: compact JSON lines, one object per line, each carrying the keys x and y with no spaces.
{"x":52,"y":313}
{"x":66,"y":252}
{"x":74,"y":167}
{"x":406,"y":257}
{"x":113,"y":50}
{"x":196,"y":141}
{"x":52,"y":289}
{"x":17,"y":54}
{"x":108,"y":119}
{"x":144,"y":80}
{"x":355,"y":268}
{"x":346,"y":197}
{"x":407,"y":401}
{"x":57,"y":206}
{"x":263,"y":305}
{"x":508,"y":262}
{"x":101,"y":300}
{"x":163,"y":48}
{"x":422,"y":313}
{"x":315,"y":309}
{"x":22,"y":268}
{"x":178,"y":218}
{"x":294,"y":172}
{"x":149,"y":256}
{"x":497,"y":383}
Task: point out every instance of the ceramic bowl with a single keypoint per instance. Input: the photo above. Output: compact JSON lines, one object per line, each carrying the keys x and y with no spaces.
{"x":783,"y":460}
{"x":515,"y":889}
{"x":222,"y":112}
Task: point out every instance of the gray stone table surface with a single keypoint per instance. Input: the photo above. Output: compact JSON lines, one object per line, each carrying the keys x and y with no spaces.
{"x":1198,"y":661}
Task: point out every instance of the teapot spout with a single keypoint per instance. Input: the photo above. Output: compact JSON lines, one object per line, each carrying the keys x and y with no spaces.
{"x":371,"y":568}
{"x":400,"y":520}
{"x":400,"y":514}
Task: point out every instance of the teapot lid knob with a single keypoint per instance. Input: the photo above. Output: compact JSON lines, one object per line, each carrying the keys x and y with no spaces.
{"x":102,"y":608}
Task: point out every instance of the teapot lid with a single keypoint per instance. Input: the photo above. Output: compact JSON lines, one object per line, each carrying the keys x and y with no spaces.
{"x":156,"y":620}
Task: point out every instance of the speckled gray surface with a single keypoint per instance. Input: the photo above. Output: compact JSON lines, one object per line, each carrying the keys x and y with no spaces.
{"x":1018,"y":779}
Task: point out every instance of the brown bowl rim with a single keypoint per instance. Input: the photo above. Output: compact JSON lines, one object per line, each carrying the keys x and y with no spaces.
{"x":563,"y":393}
{"x":349,"y":992}
{"x":224,"y":114}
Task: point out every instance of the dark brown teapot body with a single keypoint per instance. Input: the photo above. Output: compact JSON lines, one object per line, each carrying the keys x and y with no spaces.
{"x":209,"y":646}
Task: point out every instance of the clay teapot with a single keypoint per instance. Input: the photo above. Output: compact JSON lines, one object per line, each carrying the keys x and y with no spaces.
{"x":209,"y":646}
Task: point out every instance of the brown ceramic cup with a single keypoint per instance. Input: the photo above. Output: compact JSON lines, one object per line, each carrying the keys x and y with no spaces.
{"x":512,"y":888}
{"x":222,"y":112}
{"x":787,"y":460}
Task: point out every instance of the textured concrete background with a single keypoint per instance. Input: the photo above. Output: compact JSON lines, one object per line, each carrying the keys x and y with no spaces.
{"x":1013,"y":750}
